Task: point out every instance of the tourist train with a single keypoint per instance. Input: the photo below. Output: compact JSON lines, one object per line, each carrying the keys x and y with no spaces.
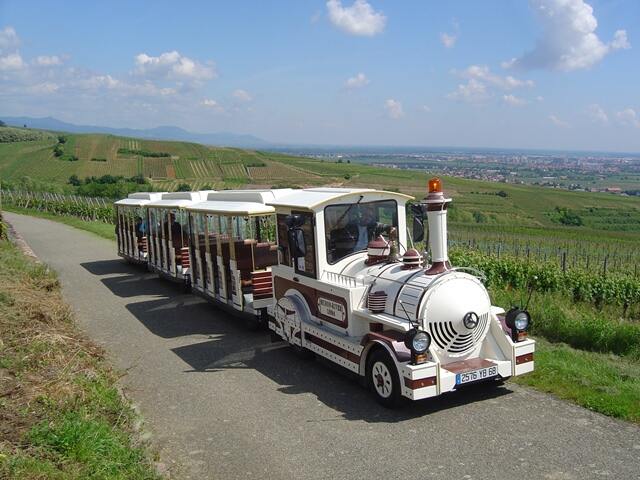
{"x":334,"y":271}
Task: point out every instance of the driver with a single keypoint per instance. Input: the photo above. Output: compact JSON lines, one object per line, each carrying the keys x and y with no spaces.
{"x":365,"y":228}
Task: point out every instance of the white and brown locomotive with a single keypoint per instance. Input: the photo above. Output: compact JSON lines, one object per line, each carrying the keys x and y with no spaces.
{"x":331,"y":271}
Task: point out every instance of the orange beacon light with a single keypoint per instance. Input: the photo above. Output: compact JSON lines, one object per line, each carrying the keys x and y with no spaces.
{"x":435,"y":185}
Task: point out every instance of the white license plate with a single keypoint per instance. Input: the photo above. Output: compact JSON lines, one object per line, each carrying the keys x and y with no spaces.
{"x":475,"y":375}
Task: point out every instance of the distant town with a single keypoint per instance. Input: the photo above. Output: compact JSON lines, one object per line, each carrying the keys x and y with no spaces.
{"x":594,"y":172}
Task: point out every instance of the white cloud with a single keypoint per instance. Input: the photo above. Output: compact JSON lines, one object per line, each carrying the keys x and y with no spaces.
{"x":212,"y":105}
{"x":473,"y":91}
{"x":480,"y":80}
{"x":12,"y":61}
{"x":568,"y":40}
{"x":47,"y":61}
{"x":620,"y":41}
{"x":358,"y":19}
{"x":174,"y":66}
{"x":483,"y":73}
{"x":359,"y":81}
{"x":242,"y":95}
{"x":557,"y":122}
{"x":8,"y":39}
{"x":597,"y":114}
{"x":426,"y":108}
{"x":514,"y":101}
{"x":393,"y":108}
{"x":448,"y":40}
{"x":628,"y":117}
{"x":540,"y":98}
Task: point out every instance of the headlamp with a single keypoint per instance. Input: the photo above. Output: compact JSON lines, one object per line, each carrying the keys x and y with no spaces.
{"x":418,"y":342}
{"x":519,"y":322}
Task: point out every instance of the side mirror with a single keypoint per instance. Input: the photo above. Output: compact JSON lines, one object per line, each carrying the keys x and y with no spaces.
{"x":294,"y":221}
{"x":418,"y":223}
{"x":297,"y":245}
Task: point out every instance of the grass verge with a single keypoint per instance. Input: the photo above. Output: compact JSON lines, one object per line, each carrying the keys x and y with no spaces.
{"x":61,"y":415}
{"x":101,"y":229}
{"x":601,"y":382}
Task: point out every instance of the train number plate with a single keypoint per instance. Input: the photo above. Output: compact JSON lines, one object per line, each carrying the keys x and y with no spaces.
{"x":475,"y":375}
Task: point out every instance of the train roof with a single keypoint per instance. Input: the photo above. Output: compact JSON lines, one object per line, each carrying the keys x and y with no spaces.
{"x":316,"y":198}
{"x":257,"y":195}
{"x":139,"y":199}
{"x":232,"y":208}
{"x":179,"y":199}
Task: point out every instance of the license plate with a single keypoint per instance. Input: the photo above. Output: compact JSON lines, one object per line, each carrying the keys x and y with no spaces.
{"x":475,"y":375}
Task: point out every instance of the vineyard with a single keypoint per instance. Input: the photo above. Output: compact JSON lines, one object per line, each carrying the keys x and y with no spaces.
{"x":582,"y":286}
{"x":567,"y":254}
{"x":85,"y":208}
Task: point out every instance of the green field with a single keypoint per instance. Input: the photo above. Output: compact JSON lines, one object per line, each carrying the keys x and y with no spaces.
{"x":500,"y":217}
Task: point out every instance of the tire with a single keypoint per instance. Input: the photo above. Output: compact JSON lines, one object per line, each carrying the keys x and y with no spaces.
{"x":383,"y":379}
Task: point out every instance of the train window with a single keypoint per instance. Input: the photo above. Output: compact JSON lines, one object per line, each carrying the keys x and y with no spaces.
{"x":242,"y":228}
{"x":303,"y":265}
{"x":265,"y":226}
{"x":350,"y":227}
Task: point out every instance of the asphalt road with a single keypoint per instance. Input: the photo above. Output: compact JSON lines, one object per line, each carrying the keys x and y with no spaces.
{"x":221,"y":402}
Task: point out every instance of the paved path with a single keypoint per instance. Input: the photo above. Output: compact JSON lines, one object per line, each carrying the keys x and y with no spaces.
{"x":226,"y":403}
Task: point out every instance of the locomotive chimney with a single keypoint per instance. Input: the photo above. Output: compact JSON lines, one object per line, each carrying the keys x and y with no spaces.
{"x":435,"y":204}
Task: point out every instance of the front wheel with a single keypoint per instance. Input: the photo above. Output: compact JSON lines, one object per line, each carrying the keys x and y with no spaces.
{"x":383,"y":379}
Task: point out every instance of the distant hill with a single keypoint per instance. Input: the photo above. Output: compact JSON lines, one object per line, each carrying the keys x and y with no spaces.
{"x":158,"y":133}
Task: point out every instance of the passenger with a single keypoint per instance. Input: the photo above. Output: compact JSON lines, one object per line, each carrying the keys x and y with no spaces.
{"x":141,"y":228}
{"x":176,"y":230}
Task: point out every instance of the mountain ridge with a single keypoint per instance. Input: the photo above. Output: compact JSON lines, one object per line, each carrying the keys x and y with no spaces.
{"x":161,"y":132}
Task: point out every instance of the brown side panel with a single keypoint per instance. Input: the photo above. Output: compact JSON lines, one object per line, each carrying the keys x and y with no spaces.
{"x":311,"y":296}
{"x":395,"y":341}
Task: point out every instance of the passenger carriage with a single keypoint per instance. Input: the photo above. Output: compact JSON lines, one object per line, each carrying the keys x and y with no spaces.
{"x":232,"y":248}
{"x":131,"y":226}
{"x":169,"y":234}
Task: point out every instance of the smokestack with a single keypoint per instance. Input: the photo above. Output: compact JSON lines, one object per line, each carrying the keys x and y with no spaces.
{"x":435,"y":205}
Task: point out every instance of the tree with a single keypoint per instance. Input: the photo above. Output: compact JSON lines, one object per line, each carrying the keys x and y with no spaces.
{"x":183,"y":187}
{"x":74,"y":180}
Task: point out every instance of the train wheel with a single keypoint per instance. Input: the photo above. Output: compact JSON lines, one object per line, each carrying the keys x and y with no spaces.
{"x":383,"y":379}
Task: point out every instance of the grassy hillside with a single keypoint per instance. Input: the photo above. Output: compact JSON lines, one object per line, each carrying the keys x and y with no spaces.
{"x":166,"y":163}
{"x":480,"y":208}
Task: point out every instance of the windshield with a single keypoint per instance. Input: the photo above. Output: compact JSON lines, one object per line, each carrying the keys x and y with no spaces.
{"x":349,"y":228}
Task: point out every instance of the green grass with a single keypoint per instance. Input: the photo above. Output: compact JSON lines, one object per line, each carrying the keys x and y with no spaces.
{"x":604,"y":383}
{"x":62,"y":415}
{"x":101,"y":229}
{"x":581,"y":325}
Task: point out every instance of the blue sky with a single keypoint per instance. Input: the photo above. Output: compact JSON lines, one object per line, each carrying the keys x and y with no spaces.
{"x":539,"y":74}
